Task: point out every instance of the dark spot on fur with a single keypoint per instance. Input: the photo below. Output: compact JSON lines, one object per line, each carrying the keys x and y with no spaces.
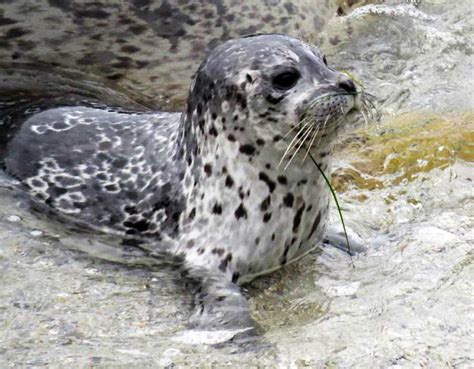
{"x":130,"y":49}
{"x":288,"y":200}
{"x":264,"y":177}
{"x":260,"y":142}
{"x":241,"y":212}
{"x":213,"y":130}
{"x":6,"y":21}
{"x":208,"y":169}
{"x":192,"y":213}
{"x":218,"y":251}
{"x":217,"y":208}
{"x":231,"y":138}
{"x":229,"y":182}
{"x":274,"y":99}
{"x":111,"y":187}
{"x":247,"y":149}
{"x":267,"y":217}
{"x":130,"y":209}
{"x":297,"y":218}
{"x":138,"y":29}
{"x":282,"y":180}
{"x":139,"y":226}
{"x":115,"y":76}
{"x":201,"y":123}
{"x":16,"y":32}
{"x":285,"y":252}
{"x":316,"y":222}
{"x":225,"y":263}
{"x":265,"y":204}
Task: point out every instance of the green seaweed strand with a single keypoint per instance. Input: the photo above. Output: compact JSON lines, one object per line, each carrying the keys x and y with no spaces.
{"x":337,"y":205}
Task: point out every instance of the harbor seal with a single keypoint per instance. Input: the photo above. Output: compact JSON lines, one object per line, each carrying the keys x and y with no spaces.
{"x":151,"y":46}
{"x":224,"y":185}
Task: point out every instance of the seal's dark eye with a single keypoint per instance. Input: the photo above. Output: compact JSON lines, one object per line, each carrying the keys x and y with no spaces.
{"x":285,"y":80}
{"x":324,"y":60}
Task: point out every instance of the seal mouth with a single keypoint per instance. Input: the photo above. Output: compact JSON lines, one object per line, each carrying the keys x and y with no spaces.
{"x":322,"y":116}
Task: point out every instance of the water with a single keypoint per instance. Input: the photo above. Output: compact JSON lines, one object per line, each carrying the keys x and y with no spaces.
{"x":406,"y":191}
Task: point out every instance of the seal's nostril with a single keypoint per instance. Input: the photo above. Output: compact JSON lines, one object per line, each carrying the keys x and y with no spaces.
{"x":348,"y":85}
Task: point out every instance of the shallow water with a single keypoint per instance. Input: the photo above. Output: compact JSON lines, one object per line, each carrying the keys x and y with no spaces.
{"x":406,"y":192}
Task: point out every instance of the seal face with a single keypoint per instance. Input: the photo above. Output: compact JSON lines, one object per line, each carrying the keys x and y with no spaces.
{"x":214,"y":181}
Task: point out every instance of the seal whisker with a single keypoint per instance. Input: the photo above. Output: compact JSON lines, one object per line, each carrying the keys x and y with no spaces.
{"x":294,"y":143}
{"x":324,"y":126}
{"x":294,"y":127}
{"x":314,"y":137}
{"x":306,"y":121}
{"x":366,"y":121}
{"x":316,"y":130}
{"x":301,"y":142}
{"x":370,"y":106}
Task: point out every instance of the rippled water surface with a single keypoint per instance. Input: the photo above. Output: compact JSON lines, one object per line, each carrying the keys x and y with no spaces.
{"x":406,"y":191}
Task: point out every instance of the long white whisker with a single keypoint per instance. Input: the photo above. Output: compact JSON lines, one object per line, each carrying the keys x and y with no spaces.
{"x":365,"y":118}
{"x":368,"y":112}
{"x":302,"y":141}
{"x":316,"y":130}
{"x":297,"y":137}
{"x":296,"y":126}
{"x":324,"y":127}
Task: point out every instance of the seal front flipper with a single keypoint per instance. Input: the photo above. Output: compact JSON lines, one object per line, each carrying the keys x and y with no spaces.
{"x":218,"y":303}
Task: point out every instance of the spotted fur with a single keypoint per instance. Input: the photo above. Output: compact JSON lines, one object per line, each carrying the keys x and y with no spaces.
{"x":155,"y":45}
{"x":208,"y":179}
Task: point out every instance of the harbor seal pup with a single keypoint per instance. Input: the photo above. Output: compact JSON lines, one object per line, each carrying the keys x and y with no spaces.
{"x":224,"y":185}
{"x":151,"y":46}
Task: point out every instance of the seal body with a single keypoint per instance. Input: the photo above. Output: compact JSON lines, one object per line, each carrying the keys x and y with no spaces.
{"x":153,"y":46}
{"x":208,"y":182}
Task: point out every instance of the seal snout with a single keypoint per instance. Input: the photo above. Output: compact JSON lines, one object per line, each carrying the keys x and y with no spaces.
{"x":347,"y":85}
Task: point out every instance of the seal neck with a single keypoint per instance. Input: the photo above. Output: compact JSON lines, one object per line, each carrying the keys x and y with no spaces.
{"x":209,"y":146}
